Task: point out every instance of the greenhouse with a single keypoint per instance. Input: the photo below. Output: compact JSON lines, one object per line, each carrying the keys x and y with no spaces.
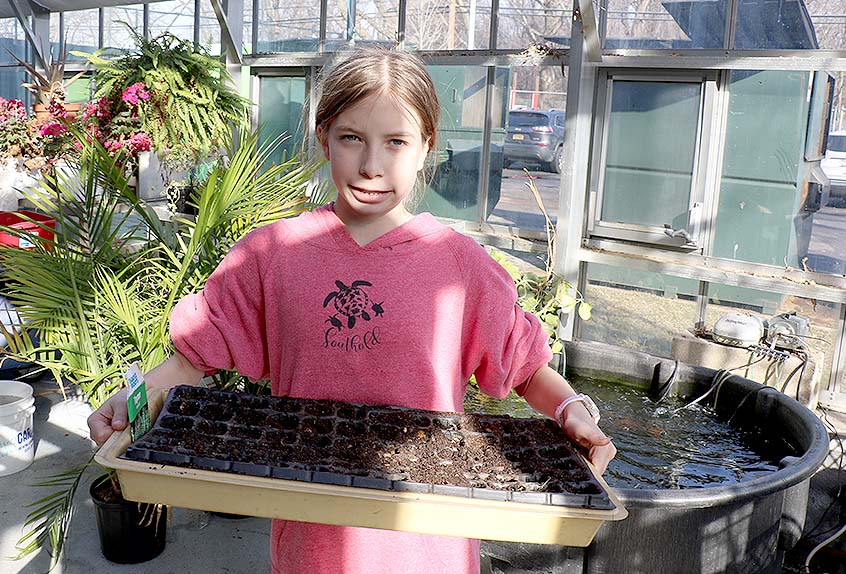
{"x":191,"y":193}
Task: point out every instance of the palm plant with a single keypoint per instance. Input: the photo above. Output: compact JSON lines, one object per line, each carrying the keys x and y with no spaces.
{"x":99,"y":295}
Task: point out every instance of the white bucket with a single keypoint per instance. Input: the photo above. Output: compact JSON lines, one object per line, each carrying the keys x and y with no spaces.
{"x":17,"y":445}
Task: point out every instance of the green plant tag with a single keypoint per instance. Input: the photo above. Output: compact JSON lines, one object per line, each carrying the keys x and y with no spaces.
{"x":136,"y":403}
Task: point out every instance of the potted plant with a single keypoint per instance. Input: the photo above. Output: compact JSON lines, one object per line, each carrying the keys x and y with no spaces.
{"x":100,"y":294}
{"x":50,"y":87}
{"x":129,"y":532}
{"x":191,"y":105}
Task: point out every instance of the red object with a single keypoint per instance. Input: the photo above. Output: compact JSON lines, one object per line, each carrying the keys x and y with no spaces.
{"x":15,"y":219}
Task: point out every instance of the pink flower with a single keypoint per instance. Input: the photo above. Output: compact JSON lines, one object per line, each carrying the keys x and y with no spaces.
{"x":134,"y":93}
{"x":53,"y":129}
{"x":12,"y":110}
{"x":140,"y":142}
{"x":103,"y":111}
{"x":56,"y":108}
{"x":91,"y":109}
{"x":113,"y":146}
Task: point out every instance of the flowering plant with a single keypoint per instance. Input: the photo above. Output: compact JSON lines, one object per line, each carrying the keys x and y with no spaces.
{"x":19,"y":135}
{"x":116,"y":122}
{"x":192,"y":103}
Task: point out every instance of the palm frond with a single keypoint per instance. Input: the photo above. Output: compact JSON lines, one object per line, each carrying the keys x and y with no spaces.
{"x":51,"y":515}
{"x":99,"y":296}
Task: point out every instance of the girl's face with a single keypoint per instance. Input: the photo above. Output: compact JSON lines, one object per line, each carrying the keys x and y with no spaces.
{"x":375,"y":149}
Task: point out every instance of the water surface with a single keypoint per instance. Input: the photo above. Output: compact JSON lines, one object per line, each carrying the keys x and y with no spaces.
{"x":661,"y":445}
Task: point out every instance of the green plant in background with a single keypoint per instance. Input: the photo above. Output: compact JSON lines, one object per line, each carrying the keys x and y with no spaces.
{"x":100,"y":294}
{"x":50,"y":87}
{"x":546,"y":295}
{"x":192,"y":103}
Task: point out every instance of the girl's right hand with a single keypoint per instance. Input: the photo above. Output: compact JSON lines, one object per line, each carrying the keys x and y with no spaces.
{"x":110,"y":417}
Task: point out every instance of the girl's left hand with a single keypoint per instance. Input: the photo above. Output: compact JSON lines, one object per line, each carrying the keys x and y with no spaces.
{"x":580,"y":428}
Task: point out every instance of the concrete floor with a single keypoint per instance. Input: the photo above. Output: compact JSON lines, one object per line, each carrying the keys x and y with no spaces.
{"x":224,"y":545}
{"x":241,"y":545}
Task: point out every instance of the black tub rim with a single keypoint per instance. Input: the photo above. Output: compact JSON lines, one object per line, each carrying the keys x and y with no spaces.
{"x":800,"y":469}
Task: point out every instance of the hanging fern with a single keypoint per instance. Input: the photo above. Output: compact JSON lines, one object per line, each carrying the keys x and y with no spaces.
{"x":193,"y":104}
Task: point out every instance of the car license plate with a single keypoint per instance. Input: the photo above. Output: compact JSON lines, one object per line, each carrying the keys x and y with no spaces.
{"x":517,"y":137}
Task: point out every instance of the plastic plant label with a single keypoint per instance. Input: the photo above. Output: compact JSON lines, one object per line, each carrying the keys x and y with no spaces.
{"x":136,"y":402}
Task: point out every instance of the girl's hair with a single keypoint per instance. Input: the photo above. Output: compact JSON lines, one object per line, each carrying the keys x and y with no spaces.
{"x":376,"y":71}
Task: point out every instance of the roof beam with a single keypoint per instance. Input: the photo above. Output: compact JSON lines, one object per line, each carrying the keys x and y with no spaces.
{"x":233,"y":48}
{"x":590,"y":31}
{"x":37,"y":39}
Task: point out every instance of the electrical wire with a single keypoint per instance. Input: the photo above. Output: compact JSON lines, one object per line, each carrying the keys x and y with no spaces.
{"x":822,"y":545}
{"x":801,"y":366}
{"x":810,"y":337}
{"x":665,"y":389}
{"x":717,"y":381}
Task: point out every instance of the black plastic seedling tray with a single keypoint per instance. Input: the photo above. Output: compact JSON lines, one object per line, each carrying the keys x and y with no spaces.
{"x":490,"y":457}
{"x":478,"y":476}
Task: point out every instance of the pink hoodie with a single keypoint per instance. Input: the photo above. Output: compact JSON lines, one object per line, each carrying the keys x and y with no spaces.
{"x":402,"y":321}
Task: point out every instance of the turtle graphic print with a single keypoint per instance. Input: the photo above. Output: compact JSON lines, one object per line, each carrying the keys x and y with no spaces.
{"x":352,"y":327}
{"x":351,"y":302}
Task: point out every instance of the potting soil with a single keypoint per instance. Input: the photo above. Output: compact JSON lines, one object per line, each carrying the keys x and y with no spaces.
{"x":493,"y":457}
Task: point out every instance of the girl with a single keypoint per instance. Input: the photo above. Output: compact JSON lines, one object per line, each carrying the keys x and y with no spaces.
{"x":364,"y":302}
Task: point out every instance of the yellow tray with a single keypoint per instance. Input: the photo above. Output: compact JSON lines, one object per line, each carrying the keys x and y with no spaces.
{"x":352,"y":506}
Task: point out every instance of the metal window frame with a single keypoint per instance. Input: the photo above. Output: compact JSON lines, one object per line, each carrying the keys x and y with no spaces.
{"x":648,"y":234}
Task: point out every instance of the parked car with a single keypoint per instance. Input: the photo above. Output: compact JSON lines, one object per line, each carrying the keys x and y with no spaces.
{"x":535,"y":136}
{"x":834,"y":167}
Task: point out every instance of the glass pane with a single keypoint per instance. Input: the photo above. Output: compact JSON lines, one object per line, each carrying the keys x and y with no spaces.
{"x":286,"y":26}
{"x":370,"y":21}
{"x":174,"y":16}
{"x":11,"y":79}
{"x":281,"y":112}
{"x":818,"y":342}
{"x":81,"y":31}
{"x":828,"y":23}
{"x":651,"y":144}
{"x":115,"y":20}
{"x":11,"y":38}
{"x":452,"y":190}
{"x":637,"y":309}
{"x":210,"y":29}
{"x":537,"y":99}
{"x":248,"y":27}
{"x":838,"y":108}
{"x":456,"y":26}
{"x":522,"y":22}
{"x":772,"y":24}
{"x":762,"y":216}
{"x":660,"y":24}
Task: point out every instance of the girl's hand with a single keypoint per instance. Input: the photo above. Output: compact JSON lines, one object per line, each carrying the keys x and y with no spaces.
{"x":110,"y":417}
{"x":580,"y":428}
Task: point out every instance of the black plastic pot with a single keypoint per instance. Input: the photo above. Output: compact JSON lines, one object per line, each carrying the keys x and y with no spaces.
{"x":179,"y":197}
{"x":129,"y":532}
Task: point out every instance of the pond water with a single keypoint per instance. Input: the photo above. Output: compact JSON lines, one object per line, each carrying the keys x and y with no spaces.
{"x":658,"y":445}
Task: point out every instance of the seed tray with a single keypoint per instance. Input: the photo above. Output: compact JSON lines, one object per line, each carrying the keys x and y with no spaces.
{"x":379,"y":459}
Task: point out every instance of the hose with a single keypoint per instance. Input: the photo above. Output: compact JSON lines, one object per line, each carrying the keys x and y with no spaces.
{"x":717,"y":381}
{"x":665,"y":389}
{"x":822,"y":545}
